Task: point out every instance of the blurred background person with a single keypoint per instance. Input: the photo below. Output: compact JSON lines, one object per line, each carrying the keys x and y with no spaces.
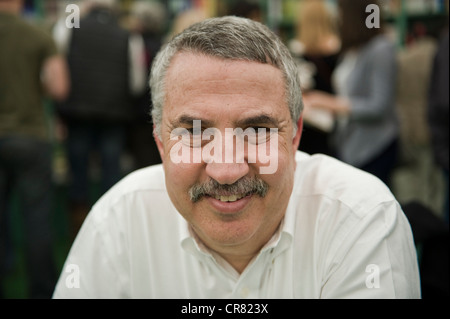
{"x":185,"y":19}
{"x":428,"y":219}
{"x":107,"y":66}
{"x":416,"y":177}
{"x":438,"y":113}
{"x":367,"y":132}
{"x":316,"y":49}
{"x":29,"y":68}
{"x":147,"y":18}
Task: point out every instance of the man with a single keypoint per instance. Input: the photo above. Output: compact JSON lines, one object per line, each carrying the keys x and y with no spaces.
{"x":29,"y":68}
{"x":102,"y":59}
{"x":216,"y":220}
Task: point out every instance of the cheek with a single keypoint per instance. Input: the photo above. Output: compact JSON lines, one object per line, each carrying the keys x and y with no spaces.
{"x":179,"y":179}
{"x":281,"y":180}
{"x":275,"y":156}
{"x":178,"y":164}
{"x":180,"y":176}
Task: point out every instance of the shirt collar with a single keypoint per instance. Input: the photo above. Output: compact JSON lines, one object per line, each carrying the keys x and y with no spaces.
{"x":283,"y":237}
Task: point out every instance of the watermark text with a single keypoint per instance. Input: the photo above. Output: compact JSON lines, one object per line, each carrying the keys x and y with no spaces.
{"x":197,"y":145}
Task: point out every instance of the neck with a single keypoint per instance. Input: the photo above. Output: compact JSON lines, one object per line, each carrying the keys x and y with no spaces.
{"x":239,"y":256}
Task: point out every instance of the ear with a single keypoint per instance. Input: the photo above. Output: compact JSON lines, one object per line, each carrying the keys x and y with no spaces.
{"x":298,"y":134}
{"x":159,"y":143}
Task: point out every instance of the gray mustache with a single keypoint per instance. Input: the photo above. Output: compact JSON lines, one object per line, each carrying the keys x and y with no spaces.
{"x":246,"y":185}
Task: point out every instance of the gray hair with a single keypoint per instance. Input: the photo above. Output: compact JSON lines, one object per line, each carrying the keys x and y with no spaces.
{"x":229,"y":38}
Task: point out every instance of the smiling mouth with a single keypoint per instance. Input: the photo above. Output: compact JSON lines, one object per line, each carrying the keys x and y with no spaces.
{"x":230,"y":198}
{"x":229,"y":204}
{"x":225,"y":193}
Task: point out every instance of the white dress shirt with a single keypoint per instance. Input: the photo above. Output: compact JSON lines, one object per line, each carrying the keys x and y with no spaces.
{"x":343,"y":236}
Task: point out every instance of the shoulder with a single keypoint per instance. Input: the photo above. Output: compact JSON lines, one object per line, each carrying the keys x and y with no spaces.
{"x":149,"y":179}
{"x":135,"y":190}
{"x":25,"y":28}
{"x":38,"y":38}
{"x":379,"y":46}
{"x":331,"y":180}
{"x":348,"y":215}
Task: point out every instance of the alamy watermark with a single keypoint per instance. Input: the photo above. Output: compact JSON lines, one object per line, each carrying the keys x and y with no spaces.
{"x":73,"y":277}
{"x":235,"y":146}
{"x":373,"y":19}
{"x":73,"y":19}
{"x":373,"y":279}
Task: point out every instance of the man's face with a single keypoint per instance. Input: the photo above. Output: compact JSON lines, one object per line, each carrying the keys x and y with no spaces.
{"x":229,"y":95}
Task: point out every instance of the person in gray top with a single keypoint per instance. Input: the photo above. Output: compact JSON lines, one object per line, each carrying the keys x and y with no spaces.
{"x":365,"y":81}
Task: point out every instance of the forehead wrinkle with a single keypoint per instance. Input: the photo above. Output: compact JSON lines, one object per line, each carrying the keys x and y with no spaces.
{"x":224,"y":70}
{"x":193,"y":84}
{"x":227,"y":87}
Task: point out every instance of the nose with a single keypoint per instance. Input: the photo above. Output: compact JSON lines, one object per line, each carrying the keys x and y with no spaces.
{"x":227,"y":173}
{"x":229,"y":165}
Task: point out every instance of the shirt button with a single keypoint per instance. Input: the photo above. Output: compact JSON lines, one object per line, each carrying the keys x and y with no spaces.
{"x":244,"y":292}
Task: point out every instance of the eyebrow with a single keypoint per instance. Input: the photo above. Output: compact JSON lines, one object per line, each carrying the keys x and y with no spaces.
{"x":185,"y":119}
{"x":262,"y":119}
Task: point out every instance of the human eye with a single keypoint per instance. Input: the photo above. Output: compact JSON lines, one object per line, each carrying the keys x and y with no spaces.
{"x":258,"y":134}
{"x":192,"y":137}
{"x":189,"y":130}
{"x":188,"y":136}
{"x":195,"y":132}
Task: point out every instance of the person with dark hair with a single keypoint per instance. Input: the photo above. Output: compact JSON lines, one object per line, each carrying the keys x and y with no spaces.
{"x":438,"y":113}
{"x":148,"y":20}
{"x":316,"y":49}
{"x":30,"y":69}
{"x":107,"y":68}
{"x":367,"y":129}
{"x":354,"y":31}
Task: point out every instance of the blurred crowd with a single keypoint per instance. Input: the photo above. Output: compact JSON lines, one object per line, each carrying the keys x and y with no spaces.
{"x":369,"y":103}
